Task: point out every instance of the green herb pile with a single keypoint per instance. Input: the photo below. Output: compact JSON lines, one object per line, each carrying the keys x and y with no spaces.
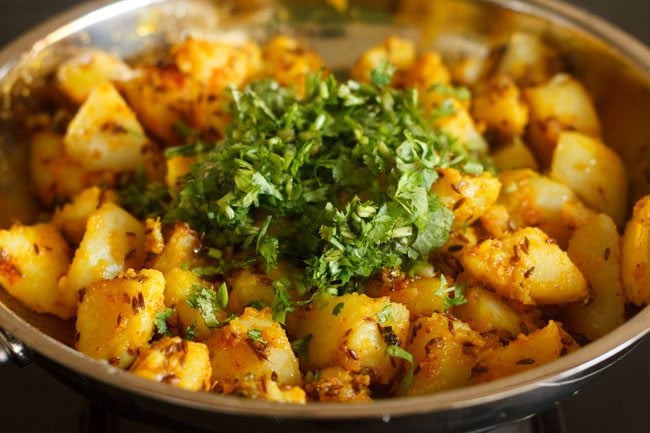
{"x":336,"y":182}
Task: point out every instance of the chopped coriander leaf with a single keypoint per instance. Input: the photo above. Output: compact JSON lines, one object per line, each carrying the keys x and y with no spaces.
{"x":382,"y":74}
{"x":301,"y":346}
{"x":255,"y":335}
{"x":385,"y":314}
{"x":160,"y":321}
{"x":281,"y":300}
{"x":337,"y":308}
{"x":398,"y":352}
{"x":143,"y":199}
{"x":190,"y":332}
{"x":209,"y":302}
{"x":452,"y":296}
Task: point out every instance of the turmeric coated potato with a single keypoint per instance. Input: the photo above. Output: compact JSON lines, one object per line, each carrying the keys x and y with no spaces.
{"x":635,"y":254}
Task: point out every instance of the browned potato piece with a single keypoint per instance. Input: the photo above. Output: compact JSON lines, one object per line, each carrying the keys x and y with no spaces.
{"x":56,"y":177}
{"x":593,"y":171}
{"x":562,"y":104}
{"x":526,"y":352}
{"x":635,"y":259}
{"x":514,"y":155}
{"x":397,"y":51}
{"x":501,"y":108}
{"x":105,"y":134}
{"x":254,"y":346}
{"x":595,"y":250}
{"x":468,"y":196}
{"x":447,"y":258}
{"x":71,"y":219}
{"x":336,"y":384}
{"x":351,"y":331}
{"x":267,"y":389}
{"x":528,"y":267}
{"x":535,"y":200}
{"x":179,"y":362}
{"x":113,"y":242}
{"x":115,"y":319}
{"x":32,"y":259}
{"x":288,"y":62}
{"x":486,"y":312}
{"x":444,"y":351}
{"x":78,"y":76}
{"x":428,"y":70}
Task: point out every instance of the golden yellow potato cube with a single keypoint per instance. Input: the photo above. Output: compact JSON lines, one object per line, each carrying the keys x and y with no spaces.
{"x":397,"y":51}
{"x":336,"y":384}
{"x":527,"y":60}
{"x":514,"y":155}
{"x":288,"y":62}
{"x":500,"y":107}
{"x":635,"y":254}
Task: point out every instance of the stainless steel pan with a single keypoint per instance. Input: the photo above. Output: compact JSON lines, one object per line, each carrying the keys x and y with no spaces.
{"x":614,"y":66}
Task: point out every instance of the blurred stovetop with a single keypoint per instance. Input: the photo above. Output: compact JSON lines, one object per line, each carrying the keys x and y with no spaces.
{"x":617,"y":401}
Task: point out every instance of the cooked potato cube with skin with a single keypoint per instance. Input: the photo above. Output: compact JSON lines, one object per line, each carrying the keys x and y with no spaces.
{"x":562,"y":104}
{"x":56,"y":177}
{"x":335,"y":384}
{"x":105,"y":134}
{"x":350,"y":331}
{"x":181,"y":250}
{"x":527,"y":60}
{"x":528,"y":267}
{"x":288,"y":62}
{"x":115,"y":319}
{"x":535,"y":200}
{"x":161,"y":97}
{"x":487,"y":312}
{"x":32,"y":259}
{"x":78,"y":76}
{"x":501,"y":108}
{"x":218,"y":65}
{"x":595,"y":250}
{"x":468,"y":196}
{"x":635,"y":259}
{"x":526,"y":352}
{"x":181,"y":363}
{"x":71,"y":219}
{"x":444,"y":351}
{"x":514,"y":155}
{"x":252,"y":345}
{"x":179,"y":287}
{"x":397,"y":51}
{"x":593,"y":171}
{"x":112,"y":243}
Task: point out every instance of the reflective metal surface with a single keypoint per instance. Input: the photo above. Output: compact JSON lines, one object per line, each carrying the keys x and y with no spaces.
{"x":616,"y":70}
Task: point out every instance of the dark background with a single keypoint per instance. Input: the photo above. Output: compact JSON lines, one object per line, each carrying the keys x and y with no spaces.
{"x":617,"y":401}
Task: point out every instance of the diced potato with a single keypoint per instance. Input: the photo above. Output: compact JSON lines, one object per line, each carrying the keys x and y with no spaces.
{"x":211,"y":115}
{"x":288,"y":62}
{"x":336,"y":384}
{"x":496,"y":221}
{"x":528,"y":267}
{"x":526,"y":352}
{"x":162,"y":97}
{"x":179,"y":287}
{"x":32,"y":259}
{"x":397,"y":51}
{"x":154,"y":242}
{"x":56,"y":177}
{"x":177,"y":167}
{"x":428,"y":70}
{"x":635,"y":258}
{"x":562,"y":104}
{"x":115,"y":319}
{"x":175,"y":361}
{"x":351,"y":331}
{"x":574,"y":214}
{"x":105,"y":134}
{"x":501,"y":108}
{"x":468,"y":196}
{"x":217,"y":65}
{"x":417,"y":294}
{"x":71,"y":219}
{"x":535,"y":200}
{"x":487,"y":312}
{"x":77,"y":77}
{"x":248,"y":286}
{"x":252,"y":345}
{"x":444,"y":351}
{"x":595,"y":250}
{"x":112,"y":243}
{"x":594,"y":171}
{"x":266,"y":389}
{"x":180,"y":251}
{"x":527,"y":60}
{"x":446,"y":259}
{"x":514,"y":155}
{"x":452,"y":117}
